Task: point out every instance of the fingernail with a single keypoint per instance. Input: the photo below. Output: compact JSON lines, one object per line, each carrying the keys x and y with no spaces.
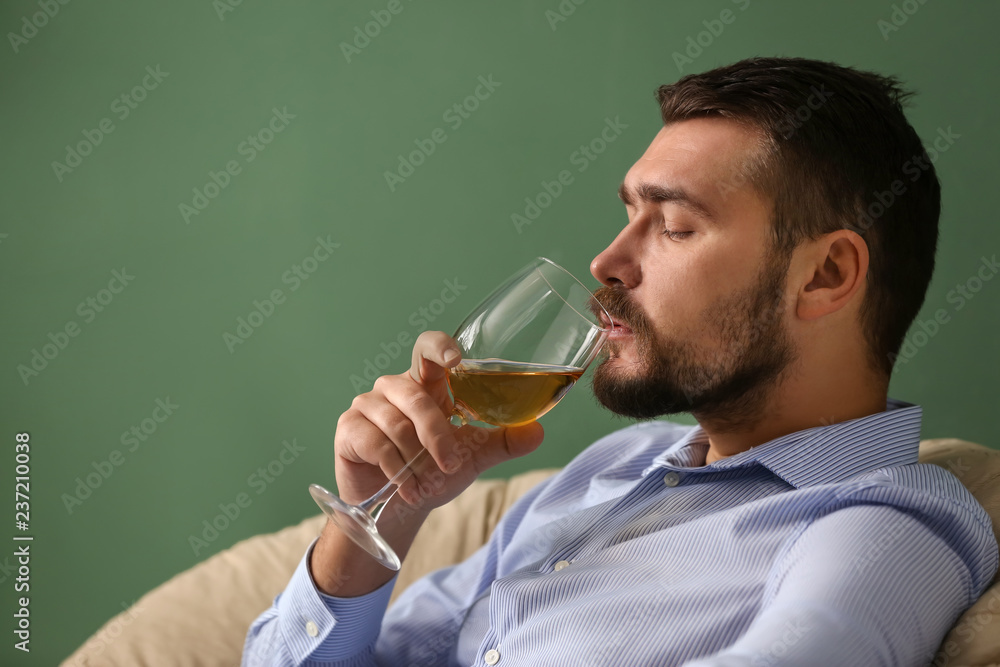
{"x":450,"y":356}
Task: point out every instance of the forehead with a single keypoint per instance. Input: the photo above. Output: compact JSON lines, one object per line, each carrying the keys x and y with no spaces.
{"x":706,"y":156}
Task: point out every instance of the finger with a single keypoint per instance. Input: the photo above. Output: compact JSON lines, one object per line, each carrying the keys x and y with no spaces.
{"x":365,"y":455}
{"x":360,"y":440}
{"x":372,"y":450}
{"x":483,"y":448}
{"x":379,"y":408}
{"x":415,"y":419}
{"x":433,"y":352}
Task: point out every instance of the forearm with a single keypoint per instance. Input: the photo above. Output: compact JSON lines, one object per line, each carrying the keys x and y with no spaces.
{"x":864,"y":585}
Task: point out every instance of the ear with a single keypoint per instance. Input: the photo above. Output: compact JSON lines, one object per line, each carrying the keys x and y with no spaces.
{"x":834,"y":268}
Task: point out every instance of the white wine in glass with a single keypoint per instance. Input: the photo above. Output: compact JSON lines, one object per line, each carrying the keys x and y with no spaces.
{"x":523,"y":348}
{"x":508,"y":393}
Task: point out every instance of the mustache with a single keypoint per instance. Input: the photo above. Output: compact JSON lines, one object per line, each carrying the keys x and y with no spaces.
{"x":619,"y":304}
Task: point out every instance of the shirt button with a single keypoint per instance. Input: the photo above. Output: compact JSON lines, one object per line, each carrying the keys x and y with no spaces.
{"x":671,"y":479}
{"x":561,"y":564}
{"x":491,"y":657}
{"x":311,"y":629}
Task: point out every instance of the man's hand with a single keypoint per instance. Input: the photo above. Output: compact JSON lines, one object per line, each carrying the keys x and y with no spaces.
{"x":387,"y":427}
{"x":405,"y":413}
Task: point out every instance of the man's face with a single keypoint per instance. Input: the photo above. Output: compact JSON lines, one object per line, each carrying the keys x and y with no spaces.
{"x":693,"y":283}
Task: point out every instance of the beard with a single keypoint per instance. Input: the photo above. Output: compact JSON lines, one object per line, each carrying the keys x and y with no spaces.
{"x":728,"y":382}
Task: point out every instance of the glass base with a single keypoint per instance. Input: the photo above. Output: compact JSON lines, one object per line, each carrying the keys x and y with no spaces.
{"x":357,"y":525}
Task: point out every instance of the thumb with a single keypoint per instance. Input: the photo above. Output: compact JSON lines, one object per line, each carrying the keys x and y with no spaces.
{"x":523,"y":439}
{"x":488,"y":447}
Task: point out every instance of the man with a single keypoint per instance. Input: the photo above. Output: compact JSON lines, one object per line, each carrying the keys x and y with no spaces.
{"x":757,"y":286}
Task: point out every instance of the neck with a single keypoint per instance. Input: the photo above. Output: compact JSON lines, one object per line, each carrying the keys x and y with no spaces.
{"x":792,"y":405}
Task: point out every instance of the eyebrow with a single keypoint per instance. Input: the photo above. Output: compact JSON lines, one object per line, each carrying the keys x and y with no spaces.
{"x":652,"y":192}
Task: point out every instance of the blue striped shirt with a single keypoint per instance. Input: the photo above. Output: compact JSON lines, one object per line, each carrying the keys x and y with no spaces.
{"x":831,"y":546}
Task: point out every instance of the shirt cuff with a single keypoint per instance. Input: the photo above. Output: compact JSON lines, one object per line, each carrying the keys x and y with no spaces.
{"x":323,"y":627}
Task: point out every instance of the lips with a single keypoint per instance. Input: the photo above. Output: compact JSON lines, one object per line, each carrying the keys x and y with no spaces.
{"x":617,"y":329}
{"x":607,"y":300}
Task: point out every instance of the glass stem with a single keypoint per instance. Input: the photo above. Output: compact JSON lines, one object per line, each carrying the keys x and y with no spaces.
{"x":374,"y":505}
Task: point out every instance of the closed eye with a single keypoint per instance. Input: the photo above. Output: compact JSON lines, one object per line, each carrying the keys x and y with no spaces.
{"x":676,"y":236}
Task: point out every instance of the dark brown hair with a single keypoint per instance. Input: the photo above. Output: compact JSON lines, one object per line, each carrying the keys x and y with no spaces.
{"x":836,"y":153}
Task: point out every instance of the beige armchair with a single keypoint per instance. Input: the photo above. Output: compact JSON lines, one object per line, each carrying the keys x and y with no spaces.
{"x":201,"y":616}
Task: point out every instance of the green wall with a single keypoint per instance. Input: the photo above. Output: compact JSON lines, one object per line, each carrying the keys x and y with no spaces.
{"x":222,"y":77}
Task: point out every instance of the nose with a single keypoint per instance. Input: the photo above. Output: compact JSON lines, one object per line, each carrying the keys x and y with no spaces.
{"x":618,"y":264}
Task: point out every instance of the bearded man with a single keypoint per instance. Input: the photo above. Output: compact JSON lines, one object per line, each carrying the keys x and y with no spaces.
{"x":763,"y":285}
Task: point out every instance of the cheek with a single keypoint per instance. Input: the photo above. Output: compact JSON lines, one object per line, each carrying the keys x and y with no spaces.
{"x":720,"y":267}
{"x":676,"y":298}
{"x":679,"y":304}
{"x":673,"y":309}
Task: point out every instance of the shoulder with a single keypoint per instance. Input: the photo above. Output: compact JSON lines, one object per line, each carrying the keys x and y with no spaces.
{"x":936,"y":498}
{"x":914,"y":485}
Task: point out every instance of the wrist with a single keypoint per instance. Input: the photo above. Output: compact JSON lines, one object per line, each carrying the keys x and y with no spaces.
{"x":341,"y":568}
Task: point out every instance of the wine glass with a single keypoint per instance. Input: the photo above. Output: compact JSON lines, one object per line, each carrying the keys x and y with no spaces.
{"x":523,"y":348}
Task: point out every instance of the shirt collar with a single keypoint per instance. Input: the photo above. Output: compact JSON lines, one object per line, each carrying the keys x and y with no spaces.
{"x":819,"y":455}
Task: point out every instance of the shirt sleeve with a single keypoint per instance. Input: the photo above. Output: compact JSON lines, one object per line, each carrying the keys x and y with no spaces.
{"x":307,"y":627}
{"x":863,"y":585}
